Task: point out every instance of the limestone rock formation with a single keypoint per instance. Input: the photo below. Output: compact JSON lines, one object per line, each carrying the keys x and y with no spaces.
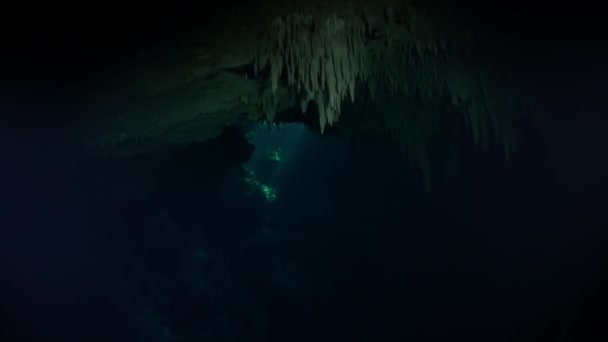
{"x":419,"y":66}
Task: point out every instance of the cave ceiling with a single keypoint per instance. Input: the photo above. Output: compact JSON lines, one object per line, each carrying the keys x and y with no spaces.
{"x":409,"y":72}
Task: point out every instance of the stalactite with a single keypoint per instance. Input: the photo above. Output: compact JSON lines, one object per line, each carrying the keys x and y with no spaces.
{"x":322,"y":59}
{"x":321,"y":54}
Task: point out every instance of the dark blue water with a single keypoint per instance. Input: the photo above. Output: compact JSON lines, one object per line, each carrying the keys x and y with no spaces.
{"x":351,"y":248}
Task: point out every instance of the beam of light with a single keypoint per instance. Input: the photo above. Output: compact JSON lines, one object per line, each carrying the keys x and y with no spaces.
{"x":276,"y":153}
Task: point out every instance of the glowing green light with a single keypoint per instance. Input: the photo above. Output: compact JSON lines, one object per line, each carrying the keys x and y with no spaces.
{"x":269,"y":192}
{"x":275,"y":154}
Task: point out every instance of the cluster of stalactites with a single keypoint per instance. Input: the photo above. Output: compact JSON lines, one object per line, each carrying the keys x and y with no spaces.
{"x":435,"y":72}
{"x":322,"y":55}
{"x":322,"y":59}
